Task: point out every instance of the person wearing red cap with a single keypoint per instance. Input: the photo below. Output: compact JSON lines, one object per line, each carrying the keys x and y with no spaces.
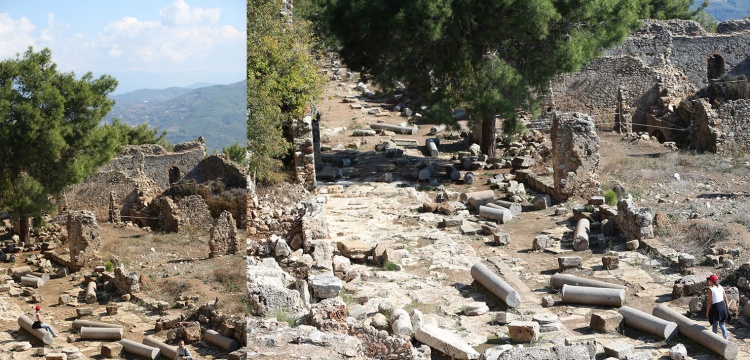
{"x":717,"y":311}
{"x":38,"y":324}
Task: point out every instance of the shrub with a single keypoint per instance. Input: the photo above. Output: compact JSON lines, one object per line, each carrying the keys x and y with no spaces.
{"x":109,"y":265}
{"x":610,"y":197}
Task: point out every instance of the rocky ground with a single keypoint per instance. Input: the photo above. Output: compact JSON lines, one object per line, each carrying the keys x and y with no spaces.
{"x":172,"y":269}
{"x":393,"y":255}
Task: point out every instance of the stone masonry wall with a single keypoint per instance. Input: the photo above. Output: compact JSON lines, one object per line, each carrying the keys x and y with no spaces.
{"x":575,"y":154}
{"x":734,"y":124}
{"x":633,"y":222}
{"x":663,"y":59}
{"x":83,"y":239}
{"x":93,"y":194}
{"x":219,"y":167}
{"x":593,"y":90}
{"x":126,"y":283}
{"x":155,"y":162}
{"x":304,"y":157}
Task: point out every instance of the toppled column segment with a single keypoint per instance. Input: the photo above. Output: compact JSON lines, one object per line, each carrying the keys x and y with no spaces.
{"x":646,"y":322}
{"x":558,"y":280}
{"x":698,"y":333}
{"x":495,"y":285}
{"x":132,"y":347}
{"x":101,"y":333}
{"x":41,"y":334}
{"x":592,"y":296}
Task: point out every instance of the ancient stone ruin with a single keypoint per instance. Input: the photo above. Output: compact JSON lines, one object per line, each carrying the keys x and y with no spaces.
{"x":223,"y":236}
{"x":650,"y":82}
{"x":575,"y":149}
{"x":83,"y":237}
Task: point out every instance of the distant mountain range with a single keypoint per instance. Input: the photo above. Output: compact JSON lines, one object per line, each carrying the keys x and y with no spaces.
{"x":723,"y":10}
{"x":217,"y":112}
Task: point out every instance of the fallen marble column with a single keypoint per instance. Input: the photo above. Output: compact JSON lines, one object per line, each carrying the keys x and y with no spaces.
{"x":698,"y":333}
{"x":581,"y":235}
{"x":41,"y":275}
{"x":452,"y":173}
{"x":445,"y":342}
{"x":78,"y":324}
{"x":469,"y":178}
{"x":135,"y":348}
{"x":221,"y":341}
{"x":100,"y":333}
{"x":91,"y":292}
{"x":20,"y":271}
{"x":592,"y":296}
{"x":25,"y":323}
{"x":31,"y":281}
{"x":167,"y":351}
{"x":649,"y":323}
{"x":476,"y":202}
{"x":425,"y":173}
{"x":495,"y":285}
{"x":558,"y":280}
{"x":500,"y":215}
{"x":406,"y":130}
{"x":466,"y":162}
{"x":483,"y":194}
{"x":432,"y":144}
{"x":515,"y":208}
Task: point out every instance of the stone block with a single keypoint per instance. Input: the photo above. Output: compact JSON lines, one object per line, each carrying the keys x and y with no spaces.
{"x":548,"y":301}
{"x":632,"y":245}
{"x":610,"y":262}
{"x":446,"y":342}
{"x":686,"y":261}
{"x":618,"y":349}
{"x":589,"y":341}
{"x":596,"y":200}
{"x":111,"y":350}
{"x":57,"y":356}
{"x":607,"y":321}
{"x":476,"y":308}
{"x":523,"y":331}
{"x":501,"y":238}
{"x":85,"y":311}
{"x":505,"y":317}
{"x":569,"y":262}
{"x":325,"y":286}
{"x":467,"y":229}
{"x":541,"y":242}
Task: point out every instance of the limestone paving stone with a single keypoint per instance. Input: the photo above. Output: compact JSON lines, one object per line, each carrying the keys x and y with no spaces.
{"x":325,"y":286}
{"x":607,"y":321}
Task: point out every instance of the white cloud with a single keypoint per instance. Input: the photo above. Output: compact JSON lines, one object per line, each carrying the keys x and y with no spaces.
{"x":180,"y":14}
{"x":184,"y":40}
{"x":16,"y":35}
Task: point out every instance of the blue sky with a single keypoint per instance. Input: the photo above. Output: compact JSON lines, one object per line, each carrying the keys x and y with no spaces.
{"x":143,"y":43}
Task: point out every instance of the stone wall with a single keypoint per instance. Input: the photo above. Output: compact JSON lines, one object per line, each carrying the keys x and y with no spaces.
{"x":720,"y":130}
{"x":126,"y":283}
{"x":155,"y":162}
{"x":83,"y":239}
{"x":633,"y":222}
{"x":575,"y":156}
{"x":219,"y":167}
{"x":93,"y":194}
{"x":657,"y":66}
{"x":193,"y":214}
{"x":223,"y":237}
{"x":304,"y":157}
{"x":734,"y":124}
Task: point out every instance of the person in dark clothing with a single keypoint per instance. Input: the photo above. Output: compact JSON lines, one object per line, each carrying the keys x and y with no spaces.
{"x":717,"y":311}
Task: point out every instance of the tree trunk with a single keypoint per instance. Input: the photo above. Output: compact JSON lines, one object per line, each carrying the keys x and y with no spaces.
{"x":25,"y":230}
{"x":488,"y":144}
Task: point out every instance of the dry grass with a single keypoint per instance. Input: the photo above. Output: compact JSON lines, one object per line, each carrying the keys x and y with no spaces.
{"x":697,"y":237}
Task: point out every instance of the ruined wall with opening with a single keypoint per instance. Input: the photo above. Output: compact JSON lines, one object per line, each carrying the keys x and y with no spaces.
{"x":217,"y":167}
{"x":155,"y":162}
{"x":658,"y":66}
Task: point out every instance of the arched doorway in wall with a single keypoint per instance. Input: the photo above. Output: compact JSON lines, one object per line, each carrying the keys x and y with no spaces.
{"x":715,"y":67}
{"x":174,"y":174}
